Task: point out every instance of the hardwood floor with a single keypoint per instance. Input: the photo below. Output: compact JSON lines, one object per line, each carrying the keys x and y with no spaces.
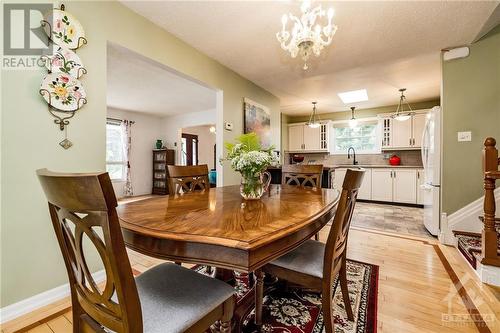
{"x":416,"y":289}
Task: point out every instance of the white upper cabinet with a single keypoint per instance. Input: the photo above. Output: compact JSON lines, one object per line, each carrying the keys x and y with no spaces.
{"x":418,"y":128}
{"x":312,"y":138}
{"x":302,"y":138}
{"x":295,"y":137}
{"x":401,"y":133}
{"x":405,"y":134}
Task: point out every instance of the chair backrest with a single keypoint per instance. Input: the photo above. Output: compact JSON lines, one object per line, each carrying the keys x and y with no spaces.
{"x":302,"y":175}
{"x":337,"y":238}
{"x":187,"y":178}
{"x":83,"y":208}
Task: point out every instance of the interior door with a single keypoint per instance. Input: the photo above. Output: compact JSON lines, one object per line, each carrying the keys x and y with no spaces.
{"x":405,"y":184}
{"x":312,"y":138}
{"x":418,"y":128}
{"x":382,"y":184}
{"x":401,"y":133}
{"x":295,"y":137}
{"x":189,"y":149}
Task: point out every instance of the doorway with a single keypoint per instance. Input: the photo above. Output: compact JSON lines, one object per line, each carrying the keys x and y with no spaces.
{"x":189,"y":149}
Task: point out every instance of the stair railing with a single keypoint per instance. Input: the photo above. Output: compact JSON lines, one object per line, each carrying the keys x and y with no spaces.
{"x":491,"y":175}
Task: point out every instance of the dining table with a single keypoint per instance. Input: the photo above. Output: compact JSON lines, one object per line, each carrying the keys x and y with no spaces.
{"x":218,"y":228}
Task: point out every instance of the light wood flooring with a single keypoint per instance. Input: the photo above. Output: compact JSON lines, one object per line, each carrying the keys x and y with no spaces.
{"x":416,"y":292}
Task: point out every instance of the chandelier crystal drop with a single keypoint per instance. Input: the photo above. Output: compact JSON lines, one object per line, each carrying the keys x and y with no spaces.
{"x":307,"y":35}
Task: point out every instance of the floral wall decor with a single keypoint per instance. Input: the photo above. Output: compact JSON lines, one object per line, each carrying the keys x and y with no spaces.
{"x":61,"y":87}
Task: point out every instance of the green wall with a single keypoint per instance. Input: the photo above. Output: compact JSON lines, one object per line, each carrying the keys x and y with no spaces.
{"x":362,"y":113}
{"x":470,"y":102}
{"x":30,"y":259}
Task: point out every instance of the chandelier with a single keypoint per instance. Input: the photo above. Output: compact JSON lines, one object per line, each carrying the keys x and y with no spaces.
{"x":314,"y":121}
{"x":307,"y":36}
{"x":400,"y":114}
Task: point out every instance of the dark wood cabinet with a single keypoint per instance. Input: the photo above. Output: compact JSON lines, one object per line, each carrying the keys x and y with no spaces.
{"x":161,"y":158}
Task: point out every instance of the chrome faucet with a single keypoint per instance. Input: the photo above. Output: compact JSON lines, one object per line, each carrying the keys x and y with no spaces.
{"x":354,"y":162}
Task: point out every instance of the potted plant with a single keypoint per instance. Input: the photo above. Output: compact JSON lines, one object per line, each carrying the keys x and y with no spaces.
{"x":251,"y":161}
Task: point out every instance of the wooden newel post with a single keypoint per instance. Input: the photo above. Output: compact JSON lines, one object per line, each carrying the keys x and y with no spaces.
{"x":489,"y":234}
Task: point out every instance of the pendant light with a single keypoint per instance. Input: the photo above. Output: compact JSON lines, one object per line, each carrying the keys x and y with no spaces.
{"x":400,"y":114}
{"x":353,"y":122}
{"x":314,"y":118}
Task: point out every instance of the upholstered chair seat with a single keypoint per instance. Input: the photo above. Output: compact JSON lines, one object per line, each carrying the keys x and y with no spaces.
{"x":174,"y":298}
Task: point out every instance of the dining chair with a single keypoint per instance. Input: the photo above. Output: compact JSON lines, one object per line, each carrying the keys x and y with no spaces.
{"x":187,"y":178}
{"x":305,"y":175}
{"x":314,"y":264}
{"x":165,"y":298}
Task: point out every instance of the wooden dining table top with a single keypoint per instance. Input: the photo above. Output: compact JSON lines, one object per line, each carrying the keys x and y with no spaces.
{"x":170,"y":226}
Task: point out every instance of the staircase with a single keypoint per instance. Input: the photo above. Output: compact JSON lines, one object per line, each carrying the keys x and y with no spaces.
{"x":482,"y":250}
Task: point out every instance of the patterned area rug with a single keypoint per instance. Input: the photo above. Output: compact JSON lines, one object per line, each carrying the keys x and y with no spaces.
{"x":297,"y":311}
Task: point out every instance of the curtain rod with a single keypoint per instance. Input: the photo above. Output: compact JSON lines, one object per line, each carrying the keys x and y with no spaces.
{"x":119,"y":120}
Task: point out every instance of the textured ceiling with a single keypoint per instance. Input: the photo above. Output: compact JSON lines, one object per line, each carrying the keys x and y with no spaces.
{"x":379,"y":45}
{"x":138,"y":84}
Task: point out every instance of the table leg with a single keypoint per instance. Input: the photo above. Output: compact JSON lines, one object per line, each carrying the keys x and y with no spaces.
{"x":259,"y":296}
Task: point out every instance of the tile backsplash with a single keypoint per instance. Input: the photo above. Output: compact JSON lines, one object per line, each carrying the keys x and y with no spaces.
{"x":408,"y":157}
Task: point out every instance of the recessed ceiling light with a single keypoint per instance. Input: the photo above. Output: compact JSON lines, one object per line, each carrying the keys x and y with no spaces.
{"x":353,"y":96}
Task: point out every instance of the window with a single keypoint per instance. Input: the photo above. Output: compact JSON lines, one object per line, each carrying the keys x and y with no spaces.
{"x":115,"y":156}
{"x":364,"y":138}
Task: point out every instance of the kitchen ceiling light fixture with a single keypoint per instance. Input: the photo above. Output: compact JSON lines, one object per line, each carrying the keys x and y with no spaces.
{"x":353,"y":122}
{"x":400,"y":114}
{"x":307,"y":36}
{"x":314,"y":121}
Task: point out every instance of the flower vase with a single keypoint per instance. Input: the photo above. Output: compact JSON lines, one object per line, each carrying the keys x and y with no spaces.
{"x":253,"y":186}
{"x":159,"y":144}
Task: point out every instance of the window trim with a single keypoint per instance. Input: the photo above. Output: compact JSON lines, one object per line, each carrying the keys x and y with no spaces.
{"x":378,"y":137}
{"x":123,"y":163}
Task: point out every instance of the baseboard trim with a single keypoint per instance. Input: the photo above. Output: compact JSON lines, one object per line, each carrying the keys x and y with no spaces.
{"x":30,"y":304}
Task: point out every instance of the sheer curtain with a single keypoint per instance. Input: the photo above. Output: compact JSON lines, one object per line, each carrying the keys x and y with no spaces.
{"x":127,"y":144}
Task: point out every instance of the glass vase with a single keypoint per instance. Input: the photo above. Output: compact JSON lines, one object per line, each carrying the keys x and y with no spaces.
{"x":255,"y":185}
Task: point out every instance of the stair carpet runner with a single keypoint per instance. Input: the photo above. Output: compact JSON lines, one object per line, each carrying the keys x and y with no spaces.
{"x":469,"y":244}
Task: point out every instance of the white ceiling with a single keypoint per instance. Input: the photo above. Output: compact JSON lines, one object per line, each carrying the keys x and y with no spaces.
{"x":380,"y":45}
{"x":136,"y":83}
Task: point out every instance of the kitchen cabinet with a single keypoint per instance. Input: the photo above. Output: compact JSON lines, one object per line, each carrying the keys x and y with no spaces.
{"x":302,"y":138}
{"x":418,"y":128}
{"x":420,"y":182}
{"x":312,"y":138}
{"x":295,"y":137}
{"x":382,"y":184}
{"x":404,"y":186}
{"x":405,"y":134}
{"x":365,"y":191}
{"x":394,"y":185}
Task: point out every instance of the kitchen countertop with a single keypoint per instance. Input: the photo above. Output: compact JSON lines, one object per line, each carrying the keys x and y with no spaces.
{"x":371,"y":166}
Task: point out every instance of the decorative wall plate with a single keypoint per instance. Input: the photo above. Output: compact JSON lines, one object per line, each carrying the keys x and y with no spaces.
{"x":63,"y":60}
{"x":63,"y":92}
{"x":64,"y":29}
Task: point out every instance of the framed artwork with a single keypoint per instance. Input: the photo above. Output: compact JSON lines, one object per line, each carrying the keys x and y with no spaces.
{"x":257,"y":118}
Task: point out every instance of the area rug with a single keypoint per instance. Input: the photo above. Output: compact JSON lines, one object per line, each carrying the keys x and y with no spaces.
{"x":297,"y":311}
